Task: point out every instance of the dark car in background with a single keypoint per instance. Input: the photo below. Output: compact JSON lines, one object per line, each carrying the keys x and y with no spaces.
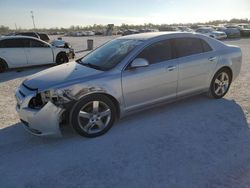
{"x":244,"y":30}
{"x":130,"y":32}
{"x":39,"y":35}
{"x":28,"y":34}
{"x":231,"y":32}
{"x":168,"y":28}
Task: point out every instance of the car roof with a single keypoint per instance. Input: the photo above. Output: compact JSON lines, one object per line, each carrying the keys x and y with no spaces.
{"x":205,"y":28}
{"x":27,"y":32}
{"x":151,"y":35}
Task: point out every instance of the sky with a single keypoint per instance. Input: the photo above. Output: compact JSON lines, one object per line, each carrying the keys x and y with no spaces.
{"x":64,"y":13}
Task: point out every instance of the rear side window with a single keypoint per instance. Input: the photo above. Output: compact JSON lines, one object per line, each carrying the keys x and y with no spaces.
{"x":11,"y":43}
{"x":188,"y":46}
{"x":43,"y":36}
{"x":157,"y":52}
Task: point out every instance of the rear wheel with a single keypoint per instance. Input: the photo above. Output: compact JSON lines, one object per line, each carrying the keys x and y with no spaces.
{"x":220,"y":83}
{"x":93,"y":116}
{"x":3,"y":65}
{"x":61,"y":58}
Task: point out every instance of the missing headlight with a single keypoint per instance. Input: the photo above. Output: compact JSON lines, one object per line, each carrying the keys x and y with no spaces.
{"x":36,"y":102}
{"x":57,"y":97}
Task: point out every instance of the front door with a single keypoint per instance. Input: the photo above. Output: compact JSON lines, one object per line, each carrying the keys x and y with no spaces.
{"x":156,"y":82}
{"x":38,"y":53}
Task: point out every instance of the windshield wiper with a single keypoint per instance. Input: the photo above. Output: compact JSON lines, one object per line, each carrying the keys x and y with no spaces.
{"x":91,"y":65}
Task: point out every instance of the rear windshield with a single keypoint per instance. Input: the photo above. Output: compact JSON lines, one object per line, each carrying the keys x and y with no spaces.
{"x":43,"y":36}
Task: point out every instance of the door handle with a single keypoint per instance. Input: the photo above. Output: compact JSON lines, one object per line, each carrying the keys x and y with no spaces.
{"x":171,"y":68}
{"x":212,"y":58}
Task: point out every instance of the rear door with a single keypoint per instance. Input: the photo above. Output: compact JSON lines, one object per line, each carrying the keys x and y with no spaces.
{"x":38,"y":52}
{"x":12,"y":51}
{"x":196,"y":61}
{"x":156,"y":82}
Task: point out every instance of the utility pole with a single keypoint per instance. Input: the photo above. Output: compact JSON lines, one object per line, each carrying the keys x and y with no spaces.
{"x":33,"y":19}
{"x":16,"y":26}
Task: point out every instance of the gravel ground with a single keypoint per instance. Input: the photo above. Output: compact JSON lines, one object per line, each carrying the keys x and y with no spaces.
{"x":196,"y":142}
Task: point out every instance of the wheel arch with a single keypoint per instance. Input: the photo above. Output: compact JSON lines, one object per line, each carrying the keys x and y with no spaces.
{"x":3,"y":65}
{"x":5,"y":62}
{"x":227,"y":68}
{"x":116,"y":103}
{"x":60,"y":53}
{"x":211,"y":92}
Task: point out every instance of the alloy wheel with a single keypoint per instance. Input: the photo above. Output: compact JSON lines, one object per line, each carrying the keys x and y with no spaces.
{"x":221,"y":84}
{"x":94,"y":117}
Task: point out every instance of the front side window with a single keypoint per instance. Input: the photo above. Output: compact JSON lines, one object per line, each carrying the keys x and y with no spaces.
{"x":110,"y":54}
{"x":187,"y":46}
{"x":157,"y":52}
{"x":37,"y":44}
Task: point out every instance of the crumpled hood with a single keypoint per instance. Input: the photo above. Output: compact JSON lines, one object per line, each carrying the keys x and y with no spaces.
{"x":69,"y":72}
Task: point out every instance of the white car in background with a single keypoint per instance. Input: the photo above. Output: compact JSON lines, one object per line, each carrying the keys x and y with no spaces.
{"x":23,"y":51}
{"x":208,"y":31}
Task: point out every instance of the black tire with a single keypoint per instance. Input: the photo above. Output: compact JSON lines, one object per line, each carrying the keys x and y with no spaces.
{"x":214,"y":86}
{"x":61,"y":58}
{"x":76,"y":120}
{"x":3,"y":65}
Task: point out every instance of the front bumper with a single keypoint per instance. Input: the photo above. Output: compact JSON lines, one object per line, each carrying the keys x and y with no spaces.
{"x":40,"y":122}
{"x":71,"y":54}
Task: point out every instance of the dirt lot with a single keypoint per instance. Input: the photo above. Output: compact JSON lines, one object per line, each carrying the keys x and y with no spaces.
{"x":197,"y":142}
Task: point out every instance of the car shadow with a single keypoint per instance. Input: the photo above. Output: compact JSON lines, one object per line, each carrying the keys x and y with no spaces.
{"x":196,"y":141}
{"x":21,"y":72}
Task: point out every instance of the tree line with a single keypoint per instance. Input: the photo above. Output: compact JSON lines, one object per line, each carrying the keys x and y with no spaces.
{"x":100,"y":27}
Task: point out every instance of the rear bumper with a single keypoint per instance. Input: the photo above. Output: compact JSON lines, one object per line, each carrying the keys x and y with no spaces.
{"x":40,"y":122}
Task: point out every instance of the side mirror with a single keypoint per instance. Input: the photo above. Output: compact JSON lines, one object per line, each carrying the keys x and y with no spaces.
{"x":139,"y":62}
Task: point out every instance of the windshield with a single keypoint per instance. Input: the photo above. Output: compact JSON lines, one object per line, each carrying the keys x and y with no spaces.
{"x":110,"y":54}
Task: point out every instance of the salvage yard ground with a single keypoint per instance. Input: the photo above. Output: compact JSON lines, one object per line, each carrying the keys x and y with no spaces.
{"x":196,"y":142}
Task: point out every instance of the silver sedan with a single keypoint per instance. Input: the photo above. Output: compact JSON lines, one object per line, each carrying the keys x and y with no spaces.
{"x":123,"y":76}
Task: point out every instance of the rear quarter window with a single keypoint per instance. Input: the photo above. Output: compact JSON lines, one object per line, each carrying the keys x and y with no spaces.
{"x":206,"y":46}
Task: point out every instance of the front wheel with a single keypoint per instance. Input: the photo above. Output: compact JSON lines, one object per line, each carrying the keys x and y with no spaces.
{"x":61,"y":58}
{"x":220,"y":84}
{"x":93,"y":116}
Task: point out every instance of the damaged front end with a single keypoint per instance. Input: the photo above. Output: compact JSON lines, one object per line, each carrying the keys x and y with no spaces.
{"x":42,"y":112}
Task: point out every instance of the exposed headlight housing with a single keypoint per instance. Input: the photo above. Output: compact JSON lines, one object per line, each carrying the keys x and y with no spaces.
{"x":42,"y":98}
